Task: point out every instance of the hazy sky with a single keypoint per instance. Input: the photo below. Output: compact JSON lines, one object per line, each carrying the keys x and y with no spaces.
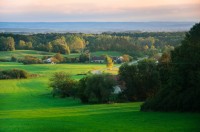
{"x":99,"y":10}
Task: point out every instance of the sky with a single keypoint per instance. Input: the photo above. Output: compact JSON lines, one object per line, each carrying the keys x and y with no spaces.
{"x":99,"y":10}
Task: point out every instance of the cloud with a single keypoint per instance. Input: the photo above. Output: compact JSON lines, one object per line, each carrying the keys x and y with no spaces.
{"x":104,"y":10}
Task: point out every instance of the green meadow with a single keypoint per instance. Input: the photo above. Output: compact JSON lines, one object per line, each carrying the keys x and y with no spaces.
{"x":26,"y":105}
{"x":21,"y":53}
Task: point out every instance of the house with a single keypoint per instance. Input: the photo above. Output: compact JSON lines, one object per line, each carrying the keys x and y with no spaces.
{"x":96,"y":59}
{"x":50,"y":60}
{"x":117,"y":89}
{"x":119,"y":60}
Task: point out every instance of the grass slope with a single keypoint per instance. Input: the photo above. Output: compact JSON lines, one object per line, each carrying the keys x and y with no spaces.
{"x":38,"y":54}
{"x":27,"y":106}
{"x":110,"y":53}
{"x":21,"y":53}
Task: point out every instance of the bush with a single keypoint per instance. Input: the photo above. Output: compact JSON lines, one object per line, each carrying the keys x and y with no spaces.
{"x":30,"y":60}
{"x":63,"y":85}
{"x":96,"y":88}
{"x":4,"y":60}
{"x":13,"y":59}
{"x":13,"y":74}
{"x":59,"y":57}
{"x":141,"y":81}
{"x":84,"y":58}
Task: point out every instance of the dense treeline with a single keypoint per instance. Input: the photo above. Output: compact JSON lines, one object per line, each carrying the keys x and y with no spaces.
{"x":142,"y":81}
{"x":135,"y":43}
{"x":161,"y":38}
{"x":137,"y":83}
{"x":129,"y":43}
{"x":96,"y":88}
{"x":171,"y":84}
{"x":180,"y":75}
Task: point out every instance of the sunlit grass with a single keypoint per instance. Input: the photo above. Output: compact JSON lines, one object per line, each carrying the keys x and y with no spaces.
{"x":26,"y":105}
{"x":110,"y":53}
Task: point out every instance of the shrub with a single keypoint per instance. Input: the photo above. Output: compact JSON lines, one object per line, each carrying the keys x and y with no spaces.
{"x":4,"y":60}
{"x":13,"y":74}
{"x":62,"y":84}
{"x":96,"y":88}
{"x":31,"y":60}
{"x":141,"y":81}
{"x":13,"y":59}
{"x":59,"y":57}
{"x":84,"y":57}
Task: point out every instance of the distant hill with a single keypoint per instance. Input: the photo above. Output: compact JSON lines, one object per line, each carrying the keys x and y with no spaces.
{"x":92,"y":27}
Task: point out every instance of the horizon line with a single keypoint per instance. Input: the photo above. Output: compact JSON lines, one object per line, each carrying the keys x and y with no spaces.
{"x":90,"y":21}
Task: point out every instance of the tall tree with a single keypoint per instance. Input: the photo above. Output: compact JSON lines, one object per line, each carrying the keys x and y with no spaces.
{"x":7,"y":44}
{"x":21,"y":44}
{"x":60,"y":45}
{"x":109,"y":62}
{"x":141,"y":81}
{"x":182,"y":90}
{"x":96,"y":88}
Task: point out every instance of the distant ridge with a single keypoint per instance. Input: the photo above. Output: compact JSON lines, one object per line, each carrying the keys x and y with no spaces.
{"x":92,"y":27}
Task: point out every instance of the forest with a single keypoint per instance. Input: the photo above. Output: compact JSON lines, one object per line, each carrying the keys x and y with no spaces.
{"x":134,"y":44}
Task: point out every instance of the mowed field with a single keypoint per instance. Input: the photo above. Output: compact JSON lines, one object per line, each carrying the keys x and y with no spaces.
{"x":39,"y":54}
{"x":26,"y":105}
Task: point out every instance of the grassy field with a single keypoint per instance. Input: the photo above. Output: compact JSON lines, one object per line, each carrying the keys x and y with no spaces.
{"x":110,"y":53}
{"x":21,"y":53}
{"x":27,"y":106}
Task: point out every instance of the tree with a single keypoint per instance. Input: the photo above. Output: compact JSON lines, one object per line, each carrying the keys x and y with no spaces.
{"x":62,"y":84}
{"x":96,"y":88}
{"x":21,"y":44}
{"x":13,"y":74}
{"x":59,"y":57}
{"x":76,"y":43}
{"x":164,"y":68}
{"x":29,"y":45}
{"x":30,"y":60}
{"x":13,"y":59}
{"x":60,"y":45}
{"x":109,"y":62}
{"x":85,"y":57}
{"x":181,"y":92}
{"x":141,"y":81}
{"x":49,"y":47}
{"x":7,"y":44}
{"x":149,"y":78}
{"x":129,"y":75}
{"x":25,"y":45}
{"x":127,"y":58}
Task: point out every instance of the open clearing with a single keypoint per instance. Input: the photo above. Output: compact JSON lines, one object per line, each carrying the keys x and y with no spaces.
{"x":21,"y":53}
{"x":27,"y":105}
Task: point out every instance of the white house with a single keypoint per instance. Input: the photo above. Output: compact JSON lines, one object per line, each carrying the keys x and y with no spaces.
{"x":48,"y":60}
{"x":117,"y":89}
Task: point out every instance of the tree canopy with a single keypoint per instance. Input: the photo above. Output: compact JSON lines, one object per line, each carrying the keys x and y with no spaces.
{"x":7,"y":44}
{"x":181,"y":92}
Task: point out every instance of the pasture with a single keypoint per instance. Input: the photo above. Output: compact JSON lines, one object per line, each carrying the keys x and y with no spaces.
{"x":27,"y":105}
{"x":39,"y":54}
